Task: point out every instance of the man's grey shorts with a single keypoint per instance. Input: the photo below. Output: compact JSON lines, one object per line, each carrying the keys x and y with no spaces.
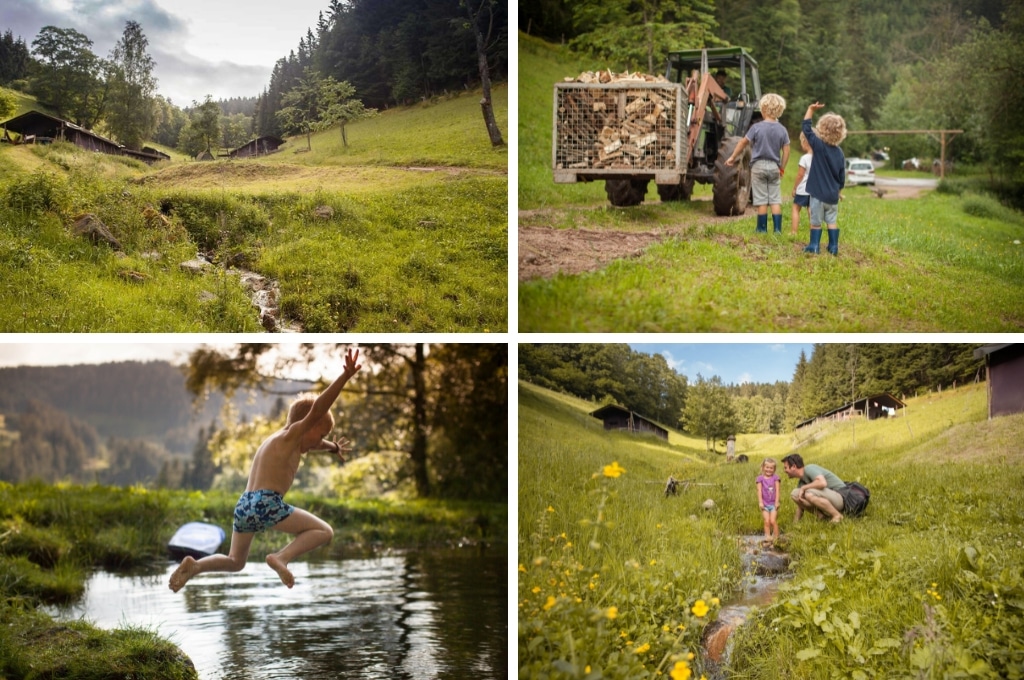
{"x":766,"y":182}
{"x":830,"y":495}
{"x":823,"y":212}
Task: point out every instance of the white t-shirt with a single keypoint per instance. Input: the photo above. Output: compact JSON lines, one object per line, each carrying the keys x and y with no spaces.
{"x":805,"y":163}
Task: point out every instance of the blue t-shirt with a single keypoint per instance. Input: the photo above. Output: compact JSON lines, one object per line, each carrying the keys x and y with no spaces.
{"x":766,"y":141}
{"x":827,"y":175}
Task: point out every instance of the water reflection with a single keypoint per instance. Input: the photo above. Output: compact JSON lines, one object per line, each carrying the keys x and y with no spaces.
{"x":438,"y":614}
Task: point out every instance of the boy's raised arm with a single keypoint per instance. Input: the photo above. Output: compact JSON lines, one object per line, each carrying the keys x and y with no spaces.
{"x":323,"y":402}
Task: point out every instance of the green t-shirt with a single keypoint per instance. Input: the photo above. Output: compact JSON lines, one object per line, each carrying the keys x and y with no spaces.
{"x":812,"y":471}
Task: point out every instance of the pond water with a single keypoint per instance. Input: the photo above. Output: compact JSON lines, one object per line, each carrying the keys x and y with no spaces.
{"x":436,"y":614}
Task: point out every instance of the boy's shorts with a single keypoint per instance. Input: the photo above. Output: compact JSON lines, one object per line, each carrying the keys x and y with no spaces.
{"x":259,"y":510}
{"x":765,"y":182}
{"x":823,"y":212}
{"x":802,"y":200}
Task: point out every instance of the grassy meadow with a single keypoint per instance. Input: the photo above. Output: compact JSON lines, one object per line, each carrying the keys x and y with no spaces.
{"x":51,"y":537}
{"x":416,"y":238}
{"x":617,"y":581}
{"x":904,"y":264}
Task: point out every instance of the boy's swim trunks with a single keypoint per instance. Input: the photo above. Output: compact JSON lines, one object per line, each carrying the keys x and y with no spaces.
{"x":259,"y":510}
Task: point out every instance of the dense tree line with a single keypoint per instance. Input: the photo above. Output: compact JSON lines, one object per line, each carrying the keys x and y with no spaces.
{"x":838,"y":374}
{"x":608,"y":373}
{"x":391,"y":52}
{"x":898,"y":65}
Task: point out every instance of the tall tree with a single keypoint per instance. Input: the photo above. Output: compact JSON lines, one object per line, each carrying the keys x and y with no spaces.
{"x":14,"y":58}
{"x":317,"y":103}
{"x":202,"y":131}
{"x":481,"y":11}
{"x":709,"y":411}
{"x":131,"y":115}
{"x":69,"y":76}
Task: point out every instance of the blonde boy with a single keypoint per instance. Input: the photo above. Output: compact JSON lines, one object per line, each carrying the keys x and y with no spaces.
{"x":769,"y":142}
{"x":827,"y":176}
{"x":262,"y":505}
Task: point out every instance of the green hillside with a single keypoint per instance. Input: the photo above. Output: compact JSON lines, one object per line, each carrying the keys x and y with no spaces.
{"x":403,"y":231}
{"x":611,"y":571}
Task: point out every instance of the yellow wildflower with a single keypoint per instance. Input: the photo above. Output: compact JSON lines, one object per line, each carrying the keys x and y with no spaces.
{"x":612,"y":612}
{"x":613,"y":470}
{"x":715,"y":601}
{"x":681,"y":671}
{"x":550,"y":509}
{"x":522,"y":568}
{"x":535,"y":590}
{"x":699,"y":608}
{"x":550,"y":603}
{"x":643,"y":648}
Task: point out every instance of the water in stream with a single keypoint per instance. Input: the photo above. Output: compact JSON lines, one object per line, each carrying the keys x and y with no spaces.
{"x":436,"y":614}
{"x":764,"y":569}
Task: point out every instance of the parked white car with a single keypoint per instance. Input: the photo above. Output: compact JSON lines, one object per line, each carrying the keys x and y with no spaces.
{"x":860,"y":171}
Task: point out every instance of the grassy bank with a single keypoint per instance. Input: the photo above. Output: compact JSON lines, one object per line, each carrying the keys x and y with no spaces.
{"x":52,"y":536}
{"x":903,"y":263}
{"x":357,"y":240}
{"x":929,"y":583}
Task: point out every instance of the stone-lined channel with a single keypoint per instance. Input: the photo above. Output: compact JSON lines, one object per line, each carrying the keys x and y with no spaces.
{"x":764,"y":569}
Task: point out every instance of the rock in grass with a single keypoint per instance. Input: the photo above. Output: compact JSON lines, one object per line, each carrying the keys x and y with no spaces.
{"x":89,"y":226}
{"x":709,"y":504}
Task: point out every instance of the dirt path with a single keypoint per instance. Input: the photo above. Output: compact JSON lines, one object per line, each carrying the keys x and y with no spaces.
{"x":546,"y":251}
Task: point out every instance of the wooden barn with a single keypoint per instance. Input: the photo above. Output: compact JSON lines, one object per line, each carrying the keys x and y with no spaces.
{"x":619,"y":418}
{"x":41,"y":128}
{"x":156,"y":152}
{"x":877,"y":406}
{"x":261,"y":146}
{"x":149,"y":157}
{"x":1004,"y":365}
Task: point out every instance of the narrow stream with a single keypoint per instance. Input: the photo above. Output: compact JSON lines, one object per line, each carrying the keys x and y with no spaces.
{"x":764,"y":569}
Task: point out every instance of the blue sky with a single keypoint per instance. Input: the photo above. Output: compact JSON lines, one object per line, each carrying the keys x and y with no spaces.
{"x":733,"y":363}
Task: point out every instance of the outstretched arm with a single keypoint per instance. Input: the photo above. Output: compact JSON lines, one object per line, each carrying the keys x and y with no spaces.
{"x":339,"y":446}
{"x":323,"y":402}
{"x":738,"y":151}
{"x":811,"y":109}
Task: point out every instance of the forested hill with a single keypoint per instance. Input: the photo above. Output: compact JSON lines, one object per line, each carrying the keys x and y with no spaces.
{"x":129,"y":400}
{"x":393,"y":52}
{"x":882,"y":64}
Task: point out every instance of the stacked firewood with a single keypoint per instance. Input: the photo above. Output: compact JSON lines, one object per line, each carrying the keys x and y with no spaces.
{"x":616,"y":127}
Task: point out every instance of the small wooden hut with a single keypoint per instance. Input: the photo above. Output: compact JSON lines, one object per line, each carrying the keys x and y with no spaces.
{"x":36,"y":127}
{"x":261,"y":146}
{"x":619,"y":418}
{"x":1004,"y":366}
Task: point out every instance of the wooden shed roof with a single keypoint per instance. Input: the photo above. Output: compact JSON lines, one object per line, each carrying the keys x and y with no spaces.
{"x":33,"y":120}
{"x":604,"y":411}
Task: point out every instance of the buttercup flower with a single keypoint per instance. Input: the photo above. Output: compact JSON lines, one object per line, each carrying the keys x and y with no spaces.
{"x":550,"y":603}
{"x":612,"y":612}
{"x":699,"y":608}
{"x":681,"y":671}
{"x":613,"y":470}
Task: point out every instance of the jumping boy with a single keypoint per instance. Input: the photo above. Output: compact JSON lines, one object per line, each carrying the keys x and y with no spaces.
{"x":769,"y":142}
{"x":262,"y":505}
{"x":827,"y":176}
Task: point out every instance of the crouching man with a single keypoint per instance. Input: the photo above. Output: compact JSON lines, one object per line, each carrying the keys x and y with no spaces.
{"x":817,"y":490}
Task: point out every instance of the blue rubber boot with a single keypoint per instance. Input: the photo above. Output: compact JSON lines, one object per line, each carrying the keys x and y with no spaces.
{"x":833,"y":241}
{"x":762,"y":224}
{"x":777,"y":223}
{"x":815,"y":245}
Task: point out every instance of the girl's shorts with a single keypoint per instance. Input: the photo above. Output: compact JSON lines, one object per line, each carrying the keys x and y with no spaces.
{"x":259,"y":510}
{"x":769,"y":508}
{"x":802,"y":200}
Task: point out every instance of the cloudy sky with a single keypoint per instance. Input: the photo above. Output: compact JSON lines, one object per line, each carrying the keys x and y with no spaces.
{"x":225,"y":48}
{"x":733,"y":363}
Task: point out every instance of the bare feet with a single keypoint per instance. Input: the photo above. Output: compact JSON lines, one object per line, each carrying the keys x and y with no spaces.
{"x":837,"y":519}
{"x":186,"y":570}
{"x":275,"y":563}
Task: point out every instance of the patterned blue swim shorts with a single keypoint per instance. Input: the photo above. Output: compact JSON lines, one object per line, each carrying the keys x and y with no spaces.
{"x":259,"y":510}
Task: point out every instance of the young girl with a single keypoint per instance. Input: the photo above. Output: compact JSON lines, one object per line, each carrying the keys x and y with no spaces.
{"x":768,"y":485}
{"x":801,"y":199}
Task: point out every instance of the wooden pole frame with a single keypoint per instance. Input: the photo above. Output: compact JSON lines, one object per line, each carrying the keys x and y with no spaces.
{"x":942,"y":140}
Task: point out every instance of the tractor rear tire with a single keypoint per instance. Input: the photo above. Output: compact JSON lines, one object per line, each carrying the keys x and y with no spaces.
{"x":676,"y":192}
{"x":623,"y":193}
{"x":732,"y":184}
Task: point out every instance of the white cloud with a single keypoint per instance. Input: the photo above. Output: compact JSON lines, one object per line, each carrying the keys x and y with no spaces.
{"x":745,"y":378}
{"x":676,"y":365}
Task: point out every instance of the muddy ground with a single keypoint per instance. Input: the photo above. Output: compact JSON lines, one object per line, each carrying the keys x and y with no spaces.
{"x":546,"y":251}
